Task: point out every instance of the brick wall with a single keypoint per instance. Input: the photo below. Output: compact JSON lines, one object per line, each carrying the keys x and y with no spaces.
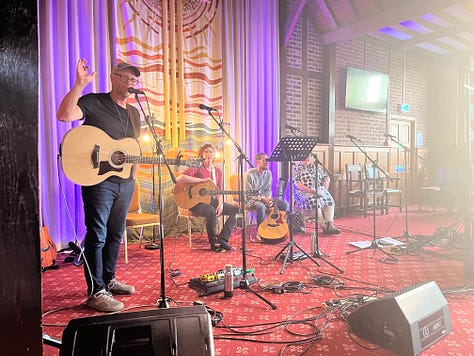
{"x":429,"y":88}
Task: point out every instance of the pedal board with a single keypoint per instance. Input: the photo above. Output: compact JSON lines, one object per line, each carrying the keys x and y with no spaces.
{"x":217,"y":286}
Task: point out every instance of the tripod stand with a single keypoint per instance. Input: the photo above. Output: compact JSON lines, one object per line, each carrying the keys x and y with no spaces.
{"x":315,"y":251}
{"x":289,"y":149}
{"x":373,"y":244}
{"x":244,"y":283}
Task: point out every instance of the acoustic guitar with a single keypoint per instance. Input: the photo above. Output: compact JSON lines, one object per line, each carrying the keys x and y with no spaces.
{"x":90,"y":156}
{"x":187,"y":195}
{"x":274,"y":229}
{"x":48,"y":250}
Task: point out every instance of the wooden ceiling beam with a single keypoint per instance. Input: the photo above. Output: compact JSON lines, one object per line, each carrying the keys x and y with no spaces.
{"x":323,"y":7}
{"x":409,"y":9}
{"x":292,"y":19}
{"x":438,"y":33}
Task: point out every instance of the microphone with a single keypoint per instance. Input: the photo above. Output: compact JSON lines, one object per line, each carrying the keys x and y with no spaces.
{"x":292,"y":128}
{"x":391,"y":136}
{"x":352,"y":137}
{"x":135,"y":91}
{"x":205,"y":107}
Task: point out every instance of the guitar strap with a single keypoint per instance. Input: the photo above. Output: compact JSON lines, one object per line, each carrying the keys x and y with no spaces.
{"x":131,"y":115}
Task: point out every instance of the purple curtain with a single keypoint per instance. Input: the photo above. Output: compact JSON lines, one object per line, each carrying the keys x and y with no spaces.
{"x":75,"y":29}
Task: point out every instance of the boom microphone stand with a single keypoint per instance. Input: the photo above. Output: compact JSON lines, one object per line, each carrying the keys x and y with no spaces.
{"x":163,"y":302}
{"x":373,"y":245}
{"x":244,"y":283}
{"x":406,"y":150}
{"x":315,"y":251}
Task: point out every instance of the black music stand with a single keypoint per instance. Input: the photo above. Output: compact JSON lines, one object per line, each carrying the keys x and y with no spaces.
{"x":289,"y":149}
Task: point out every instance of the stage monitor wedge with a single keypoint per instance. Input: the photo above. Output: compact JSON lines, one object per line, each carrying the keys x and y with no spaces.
{"x":407,"y":322}
{"x":165,"y":332}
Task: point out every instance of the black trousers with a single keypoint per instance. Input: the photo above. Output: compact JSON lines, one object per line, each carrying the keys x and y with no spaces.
{"x":208,"y":211}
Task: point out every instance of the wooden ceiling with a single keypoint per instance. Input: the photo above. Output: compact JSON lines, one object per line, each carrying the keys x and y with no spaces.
{"x":440,"y":28}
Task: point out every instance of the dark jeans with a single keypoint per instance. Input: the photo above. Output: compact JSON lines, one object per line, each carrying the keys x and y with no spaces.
{"x":261,"y":209}
{"x":105,"y":210}
{"x":209,"y":212}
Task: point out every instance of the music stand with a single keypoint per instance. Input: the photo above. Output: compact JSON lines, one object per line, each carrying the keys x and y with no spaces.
{"x":289,"y":149}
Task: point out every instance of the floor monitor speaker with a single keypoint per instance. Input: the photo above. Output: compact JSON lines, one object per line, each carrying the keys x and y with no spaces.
{"x":175,"y":331}
{"x":407,"y":322}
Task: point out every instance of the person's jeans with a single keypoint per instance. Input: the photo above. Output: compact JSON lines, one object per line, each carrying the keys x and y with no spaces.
{"x":105,"y":209}
{"x":261,"y":209}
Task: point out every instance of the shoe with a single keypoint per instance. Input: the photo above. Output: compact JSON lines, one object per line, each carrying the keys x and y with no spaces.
{"x":104,"y":302}
{"x":116,"y":287}
{"x":330,"y":229}
{"x":225,"y":245}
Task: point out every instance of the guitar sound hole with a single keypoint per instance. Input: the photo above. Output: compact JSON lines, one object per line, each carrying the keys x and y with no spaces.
{"x":203,"y":192}
{"x":118,"y":158}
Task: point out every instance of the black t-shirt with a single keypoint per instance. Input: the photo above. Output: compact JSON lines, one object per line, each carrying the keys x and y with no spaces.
{"x":101,"y":111}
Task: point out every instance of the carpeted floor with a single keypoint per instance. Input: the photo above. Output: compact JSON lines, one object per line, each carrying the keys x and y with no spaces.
{"x":310,"y":315}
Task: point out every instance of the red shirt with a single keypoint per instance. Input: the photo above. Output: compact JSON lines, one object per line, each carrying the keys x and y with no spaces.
{"x":202,"y":172}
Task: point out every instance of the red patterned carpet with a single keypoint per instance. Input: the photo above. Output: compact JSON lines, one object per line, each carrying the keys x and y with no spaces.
{"x":309,"y":318}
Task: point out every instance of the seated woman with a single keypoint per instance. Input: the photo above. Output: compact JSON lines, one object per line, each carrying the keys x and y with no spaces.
{"x":306,"y":196}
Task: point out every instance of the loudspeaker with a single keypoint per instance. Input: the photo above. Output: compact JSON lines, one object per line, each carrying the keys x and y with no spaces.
{"x":175,"y":331}
{"x":407,"y":322}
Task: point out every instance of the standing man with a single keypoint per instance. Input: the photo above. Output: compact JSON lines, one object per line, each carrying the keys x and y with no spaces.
{"x":260,"y":179}
{"x":217,"y":207}
{"x":106,"y":203}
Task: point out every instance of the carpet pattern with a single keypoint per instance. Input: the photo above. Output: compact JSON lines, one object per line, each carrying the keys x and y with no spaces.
{"x":309,"y":318}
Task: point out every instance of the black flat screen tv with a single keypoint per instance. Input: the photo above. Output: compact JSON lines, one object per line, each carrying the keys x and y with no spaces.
{"x":366,"y":90}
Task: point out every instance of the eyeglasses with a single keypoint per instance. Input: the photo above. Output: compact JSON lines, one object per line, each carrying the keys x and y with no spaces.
{"x":126,"y":79}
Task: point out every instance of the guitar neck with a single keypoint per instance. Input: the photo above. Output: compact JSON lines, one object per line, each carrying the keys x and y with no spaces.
{"x":219,"y":192}
{"x":155,"y":160}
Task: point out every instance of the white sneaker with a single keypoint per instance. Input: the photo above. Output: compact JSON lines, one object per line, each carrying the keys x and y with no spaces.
{"x":104,"y":302}
{"x":116,"y":287}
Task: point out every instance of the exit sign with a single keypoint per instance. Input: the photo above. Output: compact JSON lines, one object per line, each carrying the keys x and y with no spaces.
{"x":404,"y":107}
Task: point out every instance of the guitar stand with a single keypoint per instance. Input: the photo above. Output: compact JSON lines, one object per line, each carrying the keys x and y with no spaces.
{"x":289,"y":149}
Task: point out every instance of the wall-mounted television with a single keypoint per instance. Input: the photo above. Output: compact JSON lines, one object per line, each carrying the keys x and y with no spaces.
{"x":366,"y":90}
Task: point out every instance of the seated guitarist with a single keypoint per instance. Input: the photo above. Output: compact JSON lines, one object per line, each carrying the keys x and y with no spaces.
{"x":260,"y":179}
{"x":217,"y":206}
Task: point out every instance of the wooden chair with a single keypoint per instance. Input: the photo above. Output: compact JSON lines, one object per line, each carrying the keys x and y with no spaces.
{"x":248,"y":211}
{"x":188,"y":215}
{"x":358,"y":188}
{"x":137,"y":219}
{"x":389,"y":187}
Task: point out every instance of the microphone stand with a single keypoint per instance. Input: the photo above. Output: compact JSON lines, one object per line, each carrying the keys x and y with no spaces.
{"x":153,"y":245}
{"x":373,"y":245}
{"x":315,"y":251}
{"x":244,"y":283}
{"x":406,"y":150}
{"x":163,"y":302}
